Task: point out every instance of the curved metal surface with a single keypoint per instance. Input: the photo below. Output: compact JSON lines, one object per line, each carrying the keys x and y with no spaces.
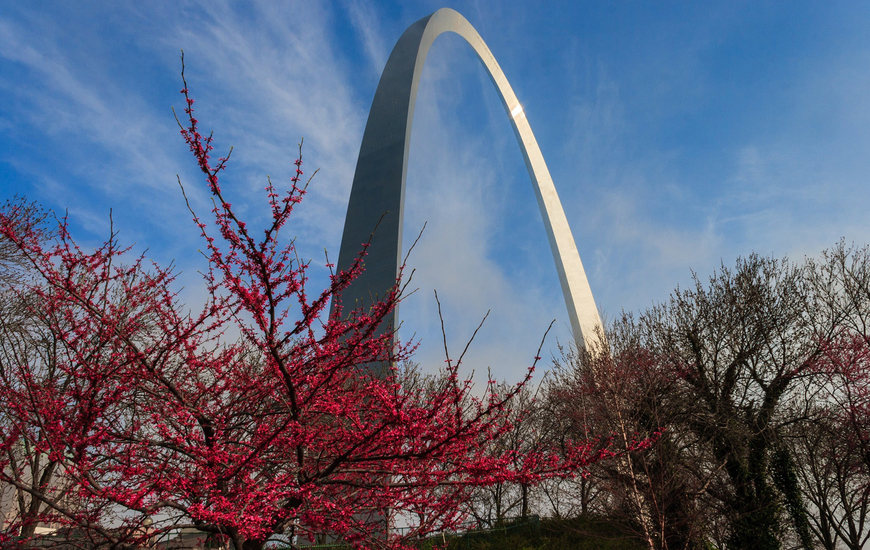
{"x":378,"y":194}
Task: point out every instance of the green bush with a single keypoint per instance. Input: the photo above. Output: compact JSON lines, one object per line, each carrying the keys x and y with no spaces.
{"x":584,"y":533}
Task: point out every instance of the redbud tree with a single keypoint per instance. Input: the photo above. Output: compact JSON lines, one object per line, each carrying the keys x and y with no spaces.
{"x":158,"y":421}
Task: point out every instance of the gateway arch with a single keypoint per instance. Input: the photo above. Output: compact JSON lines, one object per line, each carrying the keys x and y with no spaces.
{"x":378,"y":194}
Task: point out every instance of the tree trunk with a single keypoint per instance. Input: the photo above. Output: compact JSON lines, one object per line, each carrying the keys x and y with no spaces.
{"x":525,"y":506}
{"x":756,"y":524}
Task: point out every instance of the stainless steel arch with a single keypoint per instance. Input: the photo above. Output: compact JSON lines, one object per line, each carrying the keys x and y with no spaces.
{"x":378,"y":192}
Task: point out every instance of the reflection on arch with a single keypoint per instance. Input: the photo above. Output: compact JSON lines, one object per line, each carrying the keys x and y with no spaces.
{"x":378,"y":192}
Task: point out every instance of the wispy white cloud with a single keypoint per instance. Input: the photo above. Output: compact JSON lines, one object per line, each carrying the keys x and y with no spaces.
{"x":286,"y":81}
{"x":365,"y":18}
{"x":90,"y":127}
{"x":264,"y":78}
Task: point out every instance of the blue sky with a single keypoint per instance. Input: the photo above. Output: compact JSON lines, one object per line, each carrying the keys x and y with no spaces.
{"x":679,"y":136}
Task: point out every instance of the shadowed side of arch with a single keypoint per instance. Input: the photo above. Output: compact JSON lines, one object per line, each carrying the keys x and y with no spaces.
{"x":378,"y":194}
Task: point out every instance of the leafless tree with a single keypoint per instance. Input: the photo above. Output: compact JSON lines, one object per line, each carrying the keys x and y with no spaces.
{"x":27,"y":468}
{"x":491,"y":505}
{"x":621,"y":389}
{"x":833,"y":482}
